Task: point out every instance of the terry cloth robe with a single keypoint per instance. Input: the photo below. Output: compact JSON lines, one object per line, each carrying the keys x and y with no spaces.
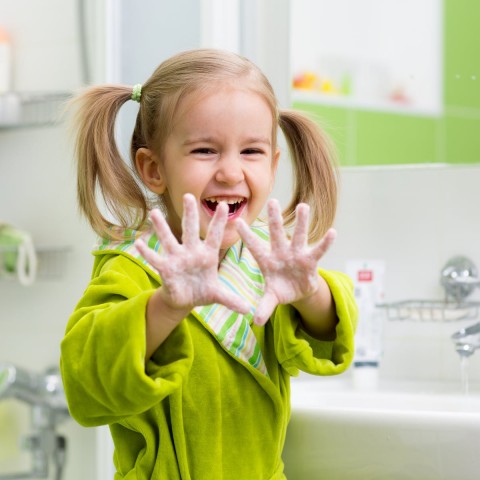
{"x":213,"y":402}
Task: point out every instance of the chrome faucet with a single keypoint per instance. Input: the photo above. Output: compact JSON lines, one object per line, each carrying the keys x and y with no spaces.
{"x":33,"y":388}
{"x":460,"y":278}
{"x":44,"y":393}
{"x":467,"y":340}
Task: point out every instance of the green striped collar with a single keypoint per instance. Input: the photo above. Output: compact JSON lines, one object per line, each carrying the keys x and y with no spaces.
{"x":238,"y":271}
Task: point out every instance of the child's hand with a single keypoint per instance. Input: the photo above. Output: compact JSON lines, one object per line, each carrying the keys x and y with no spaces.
{"x":290,"y":267}
{"x":189,"y":270}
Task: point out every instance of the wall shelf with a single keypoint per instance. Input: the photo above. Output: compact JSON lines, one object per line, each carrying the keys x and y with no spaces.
{"x":31,"y":109}
{"x":431,"y":310}
{"x":358,"y":50}
{"x":352,"y":102}
{"x":51,"y":261}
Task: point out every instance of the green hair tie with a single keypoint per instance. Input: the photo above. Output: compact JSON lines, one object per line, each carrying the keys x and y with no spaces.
{"x":137,"y":92}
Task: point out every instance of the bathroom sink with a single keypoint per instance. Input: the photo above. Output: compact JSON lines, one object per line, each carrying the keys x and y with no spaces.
{"x":395,"y":432}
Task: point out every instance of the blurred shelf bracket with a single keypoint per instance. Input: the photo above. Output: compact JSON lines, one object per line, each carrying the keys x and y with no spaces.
{"x":30,"y":109}
{"x":52,"y":262}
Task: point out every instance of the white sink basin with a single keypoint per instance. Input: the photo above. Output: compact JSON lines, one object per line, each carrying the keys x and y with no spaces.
{"x":398,"y":432}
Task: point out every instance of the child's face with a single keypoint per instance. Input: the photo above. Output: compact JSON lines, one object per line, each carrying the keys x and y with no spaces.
{"x":220,"y":149}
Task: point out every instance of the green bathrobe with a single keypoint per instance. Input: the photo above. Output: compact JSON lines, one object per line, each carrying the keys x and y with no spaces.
{"x":213,"y":402}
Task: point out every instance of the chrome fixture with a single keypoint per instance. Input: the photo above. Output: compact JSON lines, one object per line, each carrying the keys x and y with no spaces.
{"x":467,"y":340}
{"x":33,"y":388}
{"x":459,"y":277}
{"x":44,"y":392}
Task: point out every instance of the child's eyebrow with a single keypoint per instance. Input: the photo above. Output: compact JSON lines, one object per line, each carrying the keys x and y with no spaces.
{"x":191,"y":141}
{"x":265,"y":140}
{"x":261,"y":139}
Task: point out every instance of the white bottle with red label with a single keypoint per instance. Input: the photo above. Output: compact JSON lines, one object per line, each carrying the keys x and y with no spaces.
{"x":369,"y":281}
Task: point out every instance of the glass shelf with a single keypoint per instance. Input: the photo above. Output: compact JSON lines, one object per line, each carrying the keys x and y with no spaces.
{"x":30,"y":109}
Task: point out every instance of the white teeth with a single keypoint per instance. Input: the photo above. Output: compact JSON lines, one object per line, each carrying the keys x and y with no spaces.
{"x":229,"y":200}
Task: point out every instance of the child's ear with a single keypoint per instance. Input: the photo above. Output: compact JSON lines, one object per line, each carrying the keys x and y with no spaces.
{"x":148,"y":167}
{"x":275,"y":160}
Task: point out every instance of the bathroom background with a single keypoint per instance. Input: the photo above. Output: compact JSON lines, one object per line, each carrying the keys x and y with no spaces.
{"x":410,"y":160}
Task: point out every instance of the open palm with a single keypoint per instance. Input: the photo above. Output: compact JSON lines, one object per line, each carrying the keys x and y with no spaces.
{"x":289,"y":266}
{"x":189,"y":270}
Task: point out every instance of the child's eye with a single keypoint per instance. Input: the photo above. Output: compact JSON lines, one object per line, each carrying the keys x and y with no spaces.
{"x":251,"y":151}
{"x":203,"y":151}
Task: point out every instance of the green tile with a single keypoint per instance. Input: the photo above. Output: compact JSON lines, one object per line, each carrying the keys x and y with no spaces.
{"x":390,"y":139}
{"x":334,"y":121}
{"x":462,"y":53}
{"x":462,"y":139}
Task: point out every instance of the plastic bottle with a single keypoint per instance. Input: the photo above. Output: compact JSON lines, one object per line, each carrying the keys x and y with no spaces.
{"x":5,"y":62}
{"x":368,"y":278}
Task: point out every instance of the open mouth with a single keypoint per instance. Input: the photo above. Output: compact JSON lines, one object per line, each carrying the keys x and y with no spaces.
{"x":235,"y":204}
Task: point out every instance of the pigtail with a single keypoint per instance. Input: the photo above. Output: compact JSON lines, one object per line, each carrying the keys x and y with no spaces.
{"x":315,"y":169}
{"x":99,"y":163}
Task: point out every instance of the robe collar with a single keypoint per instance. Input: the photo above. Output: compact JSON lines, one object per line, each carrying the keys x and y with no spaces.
{"x":238,"y":271}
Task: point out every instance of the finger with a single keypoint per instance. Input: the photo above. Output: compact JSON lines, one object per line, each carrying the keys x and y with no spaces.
{"x":300,"y":234}
{"x":151,"y":256}
{"x":265,"y":308}
{"x":278,"y":238}
{"x":217,"y":226}
{"x":231,"y":301}
{"x":319,"y":250}
{"x":190,"y":228}
{"x":254,"y":244}
{"x":165,"y":235}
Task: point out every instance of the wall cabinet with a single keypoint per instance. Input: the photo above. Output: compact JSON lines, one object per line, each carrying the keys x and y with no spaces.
{"x":372,"y":54}
{"x":394,"y":82}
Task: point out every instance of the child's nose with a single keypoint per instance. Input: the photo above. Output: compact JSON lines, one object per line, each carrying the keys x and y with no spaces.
{"x":230,"y":170}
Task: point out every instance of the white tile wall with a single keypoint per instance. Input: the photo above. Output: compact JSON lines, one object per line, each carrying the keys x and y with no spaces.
{"x":415,"y":219}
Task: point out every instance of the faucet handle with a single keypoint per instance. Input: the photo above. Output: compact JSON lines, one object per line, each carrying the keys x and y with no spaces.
{"x":459,"y":277}
{"x":466,"y":332}
{"x":467,"y":340}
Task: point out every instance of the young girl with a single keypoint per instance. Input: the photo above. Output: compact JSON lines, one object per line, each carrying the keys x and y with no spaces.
{"x":198,"y":312}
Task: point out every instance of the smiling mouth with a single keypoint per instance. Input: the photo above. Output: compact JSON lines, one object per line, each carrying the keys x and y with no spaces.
{"x":235,"y":204}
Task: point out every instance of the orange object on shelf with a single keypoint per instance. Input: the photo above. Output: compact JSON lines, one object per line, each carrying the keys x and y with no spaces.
{"x":306,"y":81}
{"x":5,"y":62}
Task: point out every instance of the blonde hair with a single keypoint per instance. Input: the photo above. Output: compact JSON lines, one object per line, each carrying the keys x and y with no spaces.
{"x":100,"y":165}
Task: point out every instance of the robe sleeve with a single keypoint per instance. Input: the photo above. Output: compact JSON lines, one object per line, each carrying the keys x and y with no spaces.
{"x":296,"y":350}
{"x":103,"y":351}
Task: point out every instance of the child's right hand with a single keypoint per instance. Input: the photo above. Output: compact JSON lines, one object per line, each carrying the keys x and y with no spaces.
{"x":189,"y":270}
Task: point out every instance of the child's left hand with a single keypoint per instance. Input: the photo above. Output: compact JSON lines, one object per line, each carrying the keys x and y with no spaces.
{"x":290,"y":267}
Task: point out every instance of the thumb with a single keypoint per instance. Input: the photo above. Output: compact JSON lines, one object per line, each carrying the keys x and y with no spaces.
{"x":232,"y":301}
{"x":265,"y":308}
